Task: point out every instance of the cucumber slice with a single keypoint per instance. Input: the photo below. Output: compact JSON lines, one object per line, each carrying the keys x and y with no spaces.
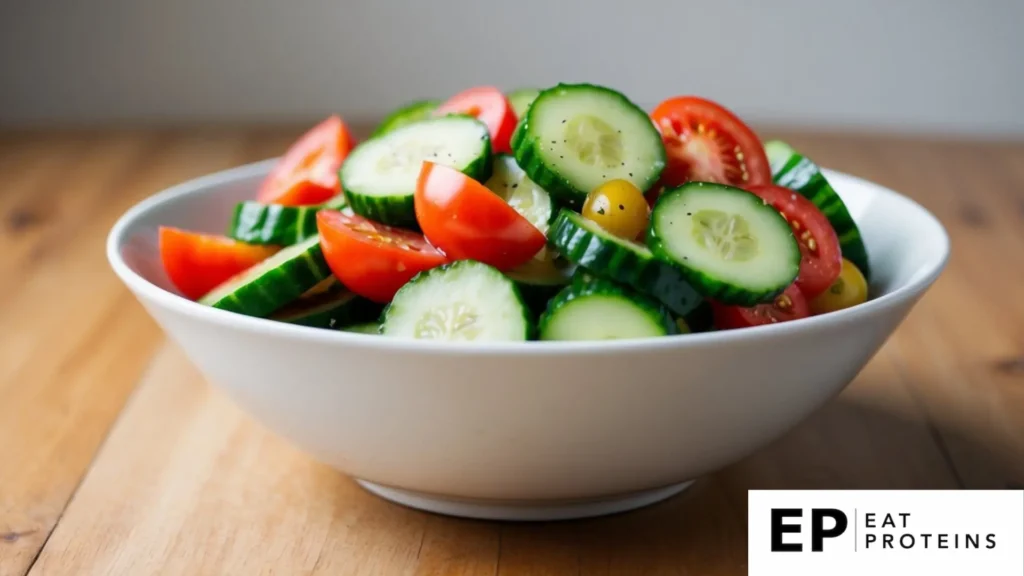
{"x":367,"y":328}
{"x":795,"y":171}
{"x":541,"y":278}
{"x":510,"y":182}
{"x":585,"y":243}
{"x":521,"y":100}
{"x":575,"y":137}
{"x":732,"y":246}
{"x":408,"y":114}
{"x":259,"y":223}
{"x":379,"y":175}
{"x":596,"y":309}
{"x":328,"y":305}
{"x":269,"y":285}
{"x":464,"y":300}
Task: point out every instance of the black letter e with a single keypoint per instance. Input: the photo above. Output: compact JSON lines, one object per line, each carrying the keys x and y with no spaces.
{"x":779,"y":528}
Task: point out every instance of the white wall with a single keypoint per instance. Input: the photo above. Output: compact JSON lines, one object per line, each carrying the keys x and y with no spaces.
{"x":933,"y":65}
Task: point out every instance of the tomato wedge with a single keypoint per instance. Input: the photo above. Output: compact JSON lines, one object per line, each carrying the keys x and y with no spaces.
{"x":308,"y":172}
{"x":469,"y":222}
{"x":488,"y":105}
{"x":371,"y":259}
{"x":705,"y":142}
{"x":197,"y":263}
{"x":821,"y":259}
{"x":790,"y":305}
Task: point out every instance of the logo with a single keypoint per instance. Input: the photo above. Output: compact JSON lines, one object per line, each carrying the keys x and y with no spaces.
{"x":886,"y":532}
{"x":818,"y":530}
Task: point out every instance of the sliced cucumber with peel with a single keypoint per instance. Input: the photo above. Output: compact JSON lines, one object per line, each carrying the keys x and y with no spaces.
{"x":795,"y":171}
{"x":732,"y":247}
{"x":510,"y":182}
{"x":273,"y":283}
{"x":379,"y":176}
{"x":462,"y":301}
{"x":275,"y":224}
{"x":408,"y":114}
{"x":328,"y":305}
{"x":597,"y":309}
{"x":521,"y":100}
{"x":575,"y":137}
{"x":585,"y":243}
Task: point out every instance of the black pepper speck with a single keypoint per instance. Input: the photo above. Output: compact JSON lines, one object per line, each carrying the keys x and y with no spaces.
{"x":515,"y":185}
{"x":631,"y":174}
{"x":600,"y":211}
{"x":554,"y":142}
{"x":621,"y":207}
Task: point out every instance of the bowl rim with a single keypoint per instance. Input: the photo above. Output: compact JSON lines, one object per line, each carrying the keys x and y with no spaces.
{"x":146,"y":290}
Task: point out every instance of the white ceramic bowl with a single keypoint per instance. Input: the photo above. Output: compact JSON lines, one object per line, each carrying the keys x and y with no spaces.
{"x":528,"y":430}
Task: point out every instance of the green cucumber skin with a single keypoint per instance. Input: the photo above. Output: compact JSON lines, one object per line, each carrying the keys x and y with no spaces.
{"x":400,"y":210}
{"x":527,"y":151}
{"x":393,"y":211}
{"x":356,"y":310}
{"x":795,"y":171}
{"x":654,"y":277}
{"x":275,"y":224}
{"x":705,"y":284}
{"x":584,"y":285}
{"x":407,"y":114}
{"x":276,"y":287}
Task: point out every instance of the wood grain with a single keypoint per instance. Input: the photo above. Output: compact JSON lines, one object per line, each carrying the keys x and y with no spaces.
{"x":185,"y":484}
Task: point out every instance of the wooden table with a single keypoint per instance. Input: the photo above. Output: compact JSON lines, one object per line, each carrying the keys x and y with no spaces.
{"x":172,"y":479}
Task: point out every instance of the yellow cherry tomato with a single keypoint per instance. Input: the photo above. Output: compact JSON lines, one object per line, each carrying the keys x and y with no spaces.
{"x":849,"y":289}
{"x":619,"y":207}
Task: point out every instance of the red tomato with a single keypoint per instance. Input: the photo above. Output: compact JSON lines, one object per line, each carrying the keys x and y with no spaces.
{"x":821,"y":259}
{"x":308,"y":172}
{"x":488,"y":105}
{"x":197,"y":263}
{"x":790,"y":305}
{"x":469,"y":222}
{"x":371,"y":259}
{"x":705,"y":142}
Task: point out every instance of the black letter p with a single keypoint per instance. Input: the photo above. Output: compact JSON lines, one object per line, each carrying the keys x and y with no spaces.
{"x":818,"y":532}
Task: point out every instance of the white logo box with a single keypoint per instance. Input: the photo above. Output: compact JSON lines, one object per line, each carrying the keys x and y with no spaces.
{"x":881,"y":532}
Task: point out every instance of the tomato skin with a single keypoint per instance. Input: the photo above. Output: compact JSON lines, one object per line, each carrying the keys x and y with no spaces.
{"x":701,"y":143}
{"x":790,"y":305}
{"x":467,"y":221}
{"x":821,"y":259}
{"x":308,"y":171}
{"x":619,"y":207}
{"x":849,"y":289}
{"x":197,"y":263}
{"x":488,"y":105}
{"x":371,"y":259}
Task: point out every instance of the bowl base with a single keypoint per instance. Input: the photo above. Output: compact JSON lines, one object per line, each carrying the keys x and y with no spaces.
{"x":524,"y":511}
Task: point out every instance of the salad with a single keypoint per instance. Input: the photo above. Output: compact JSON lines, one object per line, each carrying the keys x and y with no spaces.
{"x":561,"y":214}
